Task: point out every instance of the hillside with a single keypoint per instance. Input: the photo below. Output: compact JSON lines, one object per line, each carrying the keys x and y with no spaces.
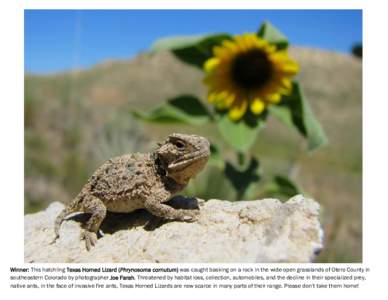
{"x":76,"y":120}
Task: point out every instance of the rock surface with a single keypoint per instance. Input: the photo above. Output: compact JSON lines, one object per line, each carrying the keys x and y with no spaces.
{"x":246,"y":231}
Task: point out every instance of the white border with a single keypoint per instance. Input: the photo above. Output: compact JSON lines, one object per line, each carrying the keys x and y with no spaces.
{"x":198,"y":4}
{"x":375,"y":148}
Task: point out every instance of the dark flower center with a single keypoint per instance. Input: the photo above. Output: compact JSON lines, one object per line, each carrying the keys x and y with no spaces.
{"x":251,"y":69}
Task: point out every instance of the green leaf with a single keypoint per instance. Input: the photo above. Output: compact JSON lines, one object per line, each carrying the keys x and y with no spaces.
{"x":243,"y":179}
{"x":242,"y":134}
{"x":282,"y":186}
{"x":182,"y":109}
{"x":295,"y":112}
{"x":270,"y":33}
{"x":194,"y":50}
{"x":216,"y":157}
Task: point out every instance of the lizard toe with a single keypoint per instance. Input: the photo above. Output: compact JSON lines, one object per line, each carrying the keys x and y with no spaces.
{"x":90,"y":239}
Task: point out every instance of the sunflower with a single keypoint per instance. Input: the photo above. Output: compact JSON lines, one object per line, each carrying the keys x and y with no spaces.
{"x":248,"y":71}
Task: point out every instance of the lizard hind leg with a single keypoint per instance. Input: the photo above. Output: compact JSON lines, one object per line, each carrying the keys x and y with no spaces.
{"x":97,"y":209}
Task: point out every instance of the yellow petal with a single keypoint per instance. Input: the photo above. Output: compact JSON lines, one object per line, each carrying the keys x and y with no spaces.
{"x":222,"y":104}
{"x":285,"y":92}
{"x":286,"y":83}
{"x":257,"y":106}
{"x":212,"y":97}
{"x":290,"y":68}
{"x":260,"y":43}
{"x":220,"y":52}
{"x":279,"y":57}
{"x":211,"y":64}
{"x":221,"y":100}
{"x":230,"y":45}
{"x":240,"y":41}
{"x":248,"y":40}
{"x":274,"y":98}
{"x":237,"y":110}
{"x":228,"y":100}
{"x":218,"y":98}
{"x":270,"y":48}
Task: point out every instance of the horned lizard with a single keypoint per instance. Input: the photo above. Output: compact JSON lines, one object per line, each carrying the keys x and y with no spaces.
{"x":133,"y":181}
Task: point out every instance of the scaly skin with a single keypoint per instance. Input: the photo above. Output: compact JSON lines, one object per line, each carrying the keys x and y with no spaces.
{"x":133,"y":181}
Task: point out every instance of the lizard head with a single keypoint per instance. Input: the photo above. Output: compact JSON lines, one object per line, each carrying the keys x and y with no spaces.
{"x":182,"y":156}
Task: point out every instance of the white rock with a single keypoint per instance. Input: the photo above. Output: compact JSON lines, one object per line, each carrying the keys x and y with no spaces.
{"x":245,"y":231}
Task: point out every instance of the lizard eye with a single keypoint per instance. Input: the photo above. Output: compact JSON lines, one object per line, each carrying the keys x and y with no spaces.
{"x":180,"y":145}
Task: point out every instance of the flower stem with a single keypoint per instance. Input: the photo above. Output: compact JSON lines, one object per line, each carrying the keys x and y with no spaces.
{"x":240,"y":158}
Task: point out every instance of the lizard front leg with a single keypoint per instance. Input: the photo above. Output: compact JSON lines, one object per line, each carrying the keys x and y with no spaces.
{"x":97,"y":208}
{"x":157,"y":208}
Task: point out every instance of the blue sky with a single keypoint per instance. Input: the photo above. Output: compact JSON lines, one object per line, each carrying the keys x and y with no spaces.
{"x":57,"y":40}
